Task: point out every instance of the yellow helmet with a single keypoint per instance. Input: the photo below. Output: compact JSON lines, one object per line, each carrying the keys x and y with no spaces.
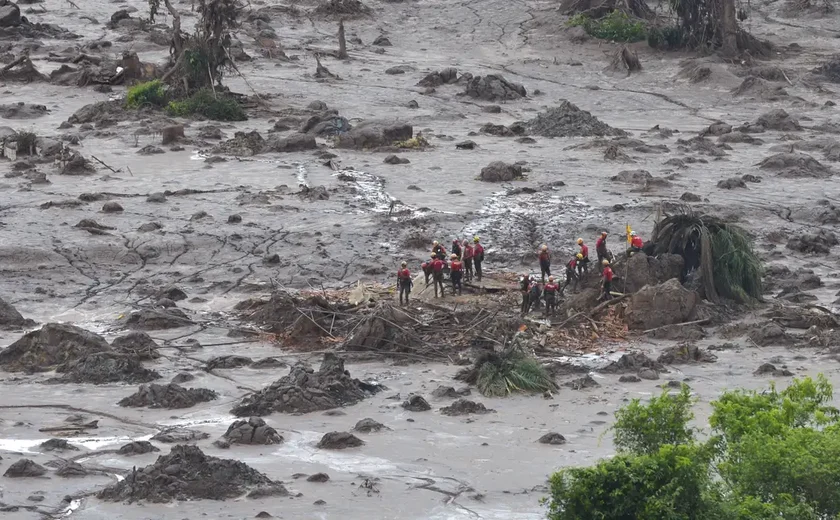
{"x":434,"y":255}
{"x":605,"y":262}
{"x":476,"y":238}
{"x":580,"y":256}
{"x":580,"y":241}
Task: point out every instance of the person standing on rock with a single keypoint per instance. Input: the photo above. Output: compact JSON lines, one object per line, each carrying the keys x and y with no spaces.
{"x":572,"y":273}
{"x":550,"y":295}
{"x":456,"y":248}
{"x":404,"y":282}
{"x":468,"y":261}
{"x":601,"y":248}
{"x":439,"y":251}
{"x":525,"y":289}
{"x":478,"y":257}
{"x":583,"y":264}
{"x":606,"y":281}
{"x":437,"y":274}
{"x":456,"y":273}
{"x":545,"y":262}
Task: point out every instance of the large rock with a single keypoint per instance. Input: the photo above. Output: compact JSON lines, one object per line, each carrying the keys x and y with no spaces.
{"x":11,"y":319}
{"x":252,"y":431}
{"x":369,"y":425}
{"x":658,"y":305}
{"x":498,"y":171}
{"x":494,"y":87}
{"x":137,"y":344}
{"x":465,"y":407}
{"x":186,"y":473}
{"x":105,"y":367}
{"x":292,"y":143}
{"x":168,"y":396}
{"x":642,"y":270}
{"x":25,"y":468}
{"x":305,"y":390}
{"x":153,"y":319}
{"x":375,"y":135}
{"x":339,"y":441}
{"x":51,"y":345}
{"x":137,"y":448}
{"x":9,"y":14}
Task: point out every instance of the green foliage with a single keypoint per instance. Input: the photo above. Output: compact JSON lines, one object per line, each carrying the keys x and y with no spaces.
{"x":150,"y":93}
{"x":738,"y":269}
{"x":667,"y":38}
{"x":664,"y":420}
{"x":616,"y":26}
{"x":205,"y":103}
{"x":506,"y":372}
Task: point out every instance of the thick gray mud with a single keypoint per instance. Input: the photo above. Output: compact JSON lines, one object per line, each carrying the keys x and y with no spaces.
{"x":426,"y":465}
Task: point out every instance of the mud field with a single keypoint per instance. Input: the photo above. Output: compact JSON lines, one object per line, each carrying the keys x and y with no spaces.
{"x":176,"y":249}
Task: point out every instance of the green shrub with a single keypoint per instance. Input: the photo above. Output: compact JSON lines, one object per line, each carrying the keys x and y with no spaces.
{"x":616,"y":26}
{"x":149,"y":93}
{"x":205,"y":103}
{"x":645,"y":428}
{"x":667,"y":38}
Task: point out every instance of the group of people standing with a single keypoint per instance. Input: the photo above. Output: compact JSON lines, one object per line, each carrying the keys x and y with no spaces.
{"x":463,"y":258}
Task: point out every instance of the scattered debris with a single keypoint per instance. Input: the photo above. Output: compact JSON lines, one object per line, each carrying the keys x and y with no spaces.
{"x":685,"y":353}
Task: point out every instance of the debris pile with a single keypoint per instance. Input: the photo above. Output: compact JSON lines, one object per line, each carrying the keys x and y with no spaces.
{"x":684,"y":354}
{"x":138,"y":344}
{"x":293,"y":317}
{"x":51,"y":345}
{"x":105,"y":367}
{"x":494,"y":87}
{"x":167,"y":396}
{"x":567,"y":120}
{"x":186,"y":473}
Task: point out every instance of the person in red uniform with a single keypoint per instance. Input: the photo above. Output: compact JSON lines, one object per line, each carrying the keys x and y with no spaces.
{"x":439,"y":251}
{"x":545,"y":262}
{"x":427,"y":268}
{"x":607,"y":279}
{"x":478,"y":257}
{"x":571,"y":273}
{"x":467,"y":256}
{"x":601,"y":247}
{"x":456,"y":272}
{"x":550,"y":294}
{"x":404,"y":282}
{"x":437,"y":274}
{"x":636,"y":243}
{"x":583,"y":264}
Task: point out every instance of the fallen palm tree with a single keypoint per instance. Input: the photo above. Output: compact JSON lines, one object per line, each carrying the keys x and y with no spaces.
{"x":722,"y":253}
{"x":498,"y":374}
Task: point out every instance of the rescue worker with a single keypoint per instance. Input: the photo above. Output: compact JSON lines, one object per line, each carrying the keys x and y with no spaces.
{"x":545,"y":262}
{"x":437,"y":274}
{"x":583,"y":264}
{"x":572,"y":273}
{"x":468,"y":260}
{"x":601,"y":247}
{"x":439,"y":251}
{"x":525,"y":289}
{"x":636,"y":243}
{"x":404,"y":282}
{"x":606,"y":281}
{"x":456,"y":273}
{"x":427,"y":268}
{"x":536,"y":292}
{"x":456,"y":247}
{"x":550,"y":295}
{"x":478,"y":257}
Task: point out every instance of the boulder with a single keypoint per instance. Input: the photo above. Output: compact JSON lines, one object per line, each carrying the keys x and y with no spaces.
{"x":416,"y":403}
{"x":168,"y":396}
{"x":658,"y":305}
{"x":552,"y":438}
{"x":178,"y":435}
{"x":57,"y":445}
{"x":9,"y":14}
{"x":105,"y":367}
{"x":252,"y":431}
{"x":498,"y":171}
{"x":137,"y":344}
{"x":318,"y":477}
{"x":645,"y":270}
{"x":465,"y":407}
{"x":227,"y":362}
{"x":11,"y":319}
{"x":153,"y":319}
{"x":25,"y":468}
{"x":49,"y":346}
{"x":137,"y":448}
{"x":369,"y":426}
{"x":294,"y":143}
{"x":339,"y":441}
{"x":375,"y":135}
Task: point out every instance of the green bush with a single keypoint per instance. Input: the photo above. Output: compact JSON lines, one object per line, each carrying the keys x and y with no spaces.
{"x":205,"y":103}
{"x":149,"y":93}
{"x":616,"y":26}
{"x":667,"y":38}
{"x":643,"y":428}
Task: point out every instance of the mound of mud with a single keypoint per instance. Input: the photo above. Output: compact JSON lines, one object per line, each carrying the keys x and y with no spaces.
{"x":339,"y":441}
{"x":796,"y":165}
{"x":758,"y":88}
{"x":242,"y":144}
{"x":641,"y":178}
{"x":105,"y":367}
{"x":658,"y":305}
{"x":154,"y":319}
{"x":342,"y":9}
{"x":186,"y":473}
{"x":416,"y":403}
{"x":552,"y":438}
{"x":831,"y":69}
{"x":582,"y":383}
{"x":633,"y":362}
{"x":25,"y":468}
{"x":372,"y":135}
{"x":11,"y":319}
{"x":465,"y":407}
{"x":286,"y":313}
{"x":448,"y":392}
{"x":51,"y":345}
{"x":137,"y":448}
{"x":369,"y":426}
{"x":137,"y":344}
{"x":72,"y":469}
{"x":567,"y":120}
{"x":101,"y":113}
{"x":819,"y":242}
{"x":684,"y":354}
{"x":168,"y":396}
{"x":778,"y":119}
{"x":304,"y":390}
{"x":57,"y":445}
{"x":252,"y":431}
{"x":498,"y":171}
{"x":493,"y":88}
{"x":227,"y":362}
{"x":769,"y":369}
{"x":769,"y":334}
{"x":178,"y":435}
{"x":438,"y":78}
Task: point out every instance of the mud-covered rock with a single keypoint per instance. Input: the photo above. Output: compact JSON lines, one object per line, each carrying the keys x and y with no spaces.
{"x":186,"y":473}
{"x":72,"y":469}
{"x":269,"y":362}
{"x":252,"y":431}
{"x":9,"y":14}
{"x":629,"y":378}
{"x":57,"y":445}
{"x":179,"y":435}
{"x":227,"y":362}
{"x":25,"y":468}
{"x":318,"y":477}
{"x":438,"y":78}
{"x":11,"y":319}
{"x":769,"y":369}
{"x":632,"y":363}
{"x":657,"y":305}
{"x":642,"y":270}
{"x":157,"y":319}
{"x":369,"y":426}
{"x":395,"y":159}
{"x":51,"y":345}
{"x":181,"y":378}
{"x":105,"y":367}
{"x":684,"y":354}
{"x":168,"y":396}
{"x":137,"y":344}
{"x":731,"y":183}
{"x":552,"y":438}
{"x":176,"y":294}
{"x":795,"y":165}
{"x":416,"y":403}
{"x":768,"y":334}
{"x":567,"y":120}
{"x":819,"y":242}
{"x":778,"y":119}
{"x":498,"y":171}
{"x":372,"y":134}
{"x":582,"y":383}
{"x":339,"y":441}
{"x":291,"y":143}
{"x":137,"y":448}
{"x":242,"y":144}
{"x":465,"y":407}
{"x":304,"y":390}
{"x":448,"y":392}
{"x":493,"y":88}
{"x":641,"y":178}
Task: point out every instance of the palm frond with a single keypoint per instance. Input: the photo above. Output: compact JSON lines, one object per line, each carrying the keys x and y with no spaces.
{"x":497,"y":375}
